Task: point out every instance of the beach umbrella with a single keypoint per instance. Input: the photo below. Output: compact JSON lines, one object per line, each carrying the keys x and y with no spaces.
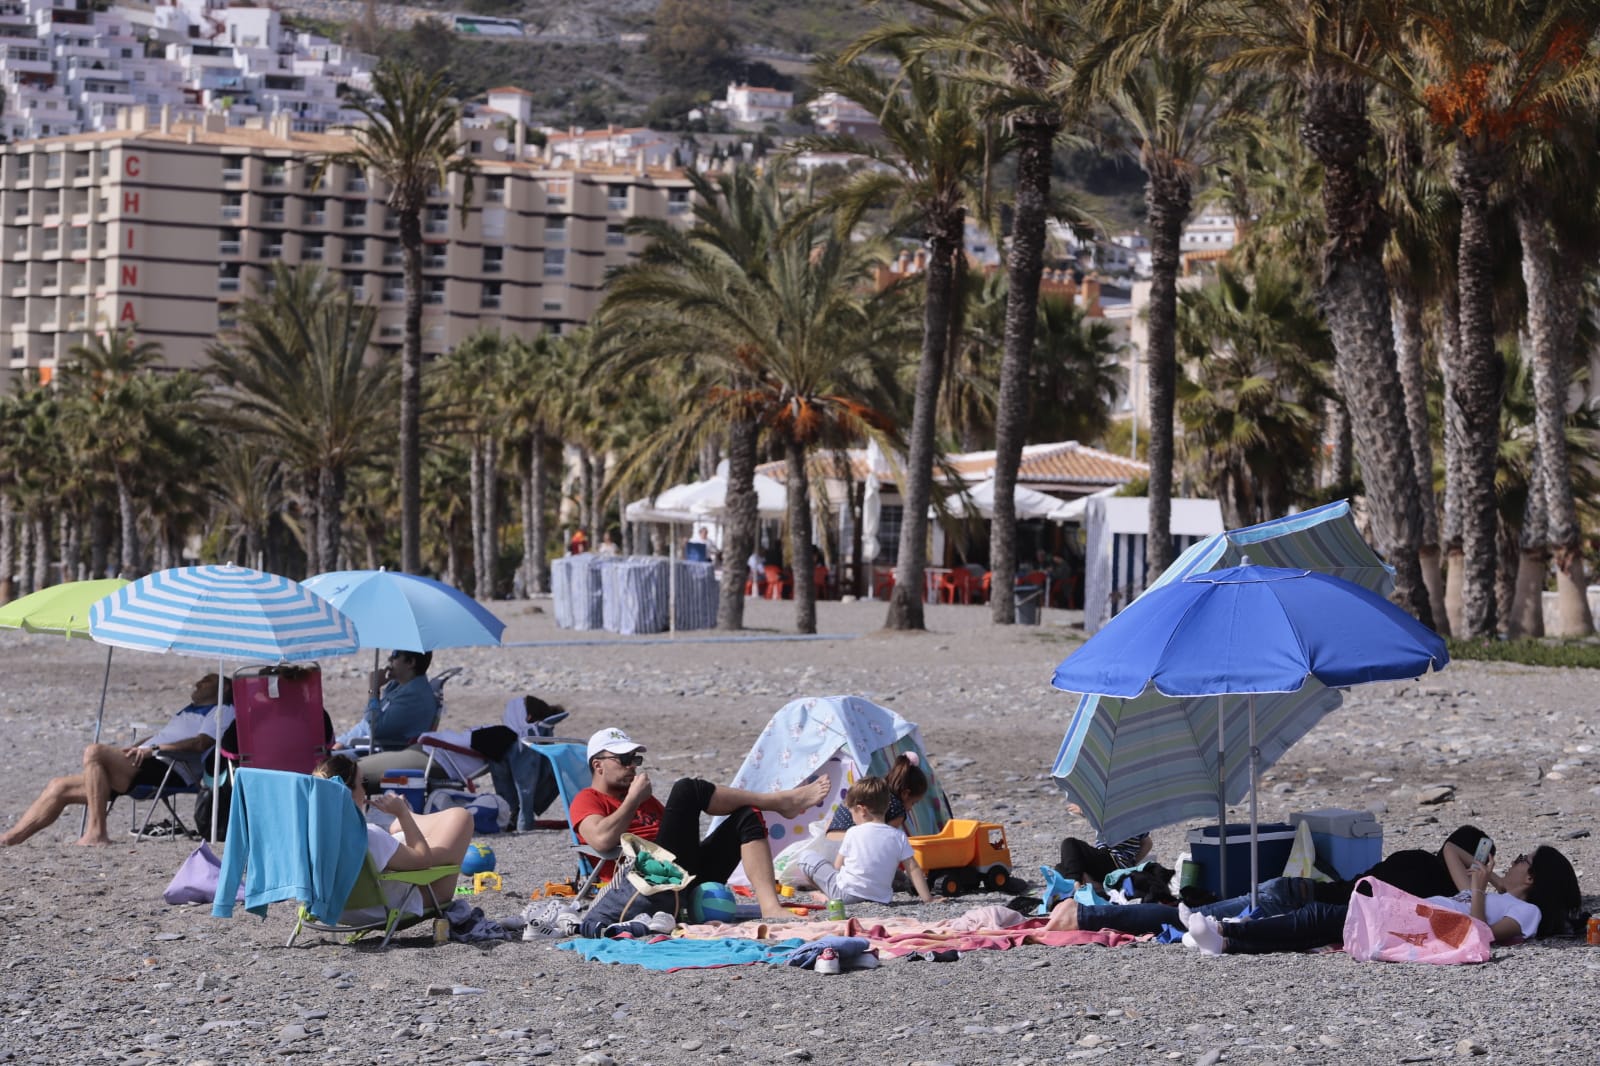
{"x":64,"y":609}
{"x":1122,"y":804}
{"x":405,"y":611}
{"x":1241,"y":631}
{"x":222,"y":612}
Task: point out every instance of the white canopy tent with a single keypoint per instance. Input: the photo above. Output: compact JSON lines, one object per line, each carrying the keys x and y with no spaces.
{"x":1030,"y":503}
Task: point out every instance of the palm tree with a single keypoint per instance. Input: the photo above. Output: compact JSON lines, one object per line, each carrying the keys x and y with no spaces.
{"x":1492,"y":75}
{"x":110,"y":407}
{"x":1332,"y":49}
{"x":295,"y":377}
{"x":1175,"y":112}
{"x":476,"y":385}
{"x":532,"y":365}
{"x":1075,"y":377}
{"x":410,"y":140}
{"x":935,"y":152}
{"x":246,"y":490}
{"x":1250,"y":400}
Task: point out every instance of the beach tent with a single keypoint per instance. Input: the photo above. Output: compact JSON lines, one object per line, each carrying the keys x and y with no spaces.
{"x":843,"y":737}
{"x":1116,"y":530}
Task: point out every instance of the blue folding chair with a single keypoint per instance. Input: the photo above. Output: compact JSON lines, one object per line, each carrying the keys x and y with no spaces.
{"x":569,"y":763}
{"x":172,"y":784}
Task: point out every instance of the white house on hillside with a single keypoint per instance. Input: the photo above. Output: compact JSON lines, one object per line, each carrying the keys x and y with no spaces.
{"x":754,"y":103}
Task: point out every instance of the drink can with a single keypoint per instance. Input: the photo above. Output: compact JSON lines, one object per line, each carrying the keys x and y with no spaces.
{"x":441,"y":931}
{"x":1594,"y":930}
{"x":836,"y":911}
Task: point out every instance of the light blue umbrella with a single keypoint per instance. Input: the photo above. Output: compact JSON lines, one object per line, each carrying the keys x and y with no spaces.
{"x":404,"y":611}
{"x":222,"y":612}
{"x":1241,"y":631}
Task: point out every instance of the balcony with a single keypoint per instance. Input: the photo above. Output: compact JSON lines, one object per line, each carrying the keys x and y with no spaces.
{"x":316,"y":218}
{"x":232,"y":174}
{"x":433,"y":297}
{"x":490,"y":303}
{"x":275,"y":179}
{"x":312,"y":253}
{"x":355,"y":185}
{"x":435,"y":262}
{"x":436,"y":226}
{"x":355,"y":222}
{"x":228,"y":248}
{"x":492,"y":266}
{"x":358,"y":294}
{"x":272,"y":251}
{"x":232,"y":211}
{"x":272,"y":214}
{"x":227,"y":284}
{"x":393,"y":258}
{"x":494,"y":196}
{"x":616,"y":203}
{"x":678,"y":207}
{"x":392,"y":295}
{"x":354,"y":257}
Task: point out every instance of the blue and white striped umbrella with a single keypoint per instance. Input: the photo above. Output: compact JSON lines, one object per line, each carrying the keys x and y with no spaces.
{"x":223,"y":612}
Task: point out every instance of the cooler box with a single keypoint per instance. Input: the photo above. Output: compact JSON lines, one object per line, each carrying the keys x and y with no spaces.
{"x":409,"y":785}
{"x":1349,"y":843}
{"x":1275,"y":839}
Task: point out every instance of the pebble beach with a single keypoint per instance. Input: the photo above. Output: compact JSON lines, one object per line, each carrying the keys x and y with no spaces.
{"x":96,"y":968}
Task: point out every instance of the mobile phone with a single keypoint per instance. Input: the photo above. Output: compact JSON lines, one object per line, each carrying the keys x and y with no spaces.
{"x":1480,"y":854}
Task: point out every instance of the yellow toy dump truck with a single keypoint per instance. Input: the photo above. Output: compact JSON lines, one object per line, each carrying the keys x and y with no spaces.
{"x":962,"y":854}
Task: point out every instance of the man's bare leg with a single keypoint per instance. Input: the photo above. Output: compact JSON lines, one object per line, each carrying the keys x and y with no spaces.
{"x":105,"y":770}
{"x":757,"y":856}
{"x":57,"y":796}
{"x":788,"y":803}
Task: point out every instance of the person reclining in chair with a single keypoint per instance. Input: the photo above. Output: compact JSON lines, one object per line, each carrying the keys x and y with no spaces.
{"x":619,"y":800}
{"x":401,"y":706}
{"x":109,"y":771}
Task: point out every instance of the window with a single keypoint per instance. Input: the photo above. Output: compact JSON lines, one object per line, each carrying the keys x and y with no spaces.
{"x":493,"y":260}
{"x":438,"y":220}
{"x":491,"y":295}
{"x":615,"y":238}
{"x":496,"y":192}
{"x":356,"y":182}
{"x":355,"y":214}
{"x":230,"y":242}
{"x":393,"y":290}
{"x":435,"y":291}
{"x":24,"y":167}
{"x":890,"y":519}
{"x":52,"y":240}
{"x":233,"y":168}
{"x":355,"y":253}
{"x":392,"y":255}
{"x":616,"y":197}
{"x":552,"y":305}
{"x":311,"y":248}
{"x":555,"y":262}
{"x":232,"y":205}
{"x":434,"y":257}
{"x":228,"y":278}
{"x":52,"y":167}
{"x":555,"y":231}
{"x":555,"y":193}
{"x":678,"y":201}
{"x":275,"y":176}
{"x":274,"y":210}
{"x":273,"y":250}
{"x":316,"y":212}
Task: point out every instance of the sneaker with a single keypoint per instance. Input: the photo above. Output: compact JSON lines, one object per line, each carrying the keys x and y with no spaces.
{"x":568,"y":922}
{"x":634,"y":930}
{"x":827,"y":962}
{"x":661,"y":922}
{"x":864,"y":961}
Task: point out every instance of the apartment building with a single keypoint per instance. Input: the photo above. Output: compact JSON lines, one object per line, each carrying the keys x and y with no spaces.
{"x":167,"y":226}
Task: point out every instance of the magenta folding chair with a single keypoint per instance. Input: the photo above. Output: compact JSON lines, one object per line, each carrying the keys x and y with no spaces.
{"x":279,"y":718}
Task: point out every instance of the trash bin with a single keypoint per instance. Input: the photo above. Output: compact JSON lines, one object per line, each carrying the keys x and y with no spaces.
{"x":1027,"y":604}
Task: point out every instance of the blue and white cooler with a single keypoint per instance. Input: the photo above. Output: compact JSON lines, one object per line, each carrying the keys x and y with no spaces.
{"x":1349,"y":843}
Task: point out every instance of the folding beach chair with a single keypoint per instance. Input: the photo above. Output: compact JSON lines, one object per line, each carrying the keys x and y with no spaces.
{"x":293,"y":837}
{"x":570,"y":764}
{"x":173,"y":783}
{"x":279,"y":718}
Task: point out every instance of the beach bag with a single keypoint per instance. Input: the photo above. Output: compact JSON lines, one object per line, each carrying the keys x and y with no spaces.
{"x":646,"y":880}
{"x":1385,"y":924}
{"x":490,"y":813}
{"x":196,"y":879}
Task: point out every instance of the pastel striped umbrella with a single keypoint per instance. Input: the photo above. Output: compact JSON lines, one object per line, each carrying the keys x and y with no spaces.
{"x":222,"y":612}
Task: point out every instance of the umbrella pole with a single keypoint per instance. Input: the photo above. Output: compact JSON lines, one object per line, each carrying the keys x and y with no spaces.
{"x":672,"y":580}
{"x":216,"y":758}
{"x":99,"y":721}
{"x":1222,"y":806}
{"x":1255,"y":765}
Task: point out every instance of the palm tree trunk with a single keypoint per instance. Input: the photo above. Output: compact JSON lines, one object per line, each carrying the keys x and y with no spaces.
{"x":1554,"y":307}
{"x":41,"y":549}
{"x":71,"y":546}
{"x":330,"y":527}
{"x":475,"y":511}
{"x":905,"y":603}
{"x":410,"y":217}
{"x":1341,"y":464}
{"x":1477,"y":382}
{"x":1354,"y":295}
{"x":586,"y":493}
{"x":739,"y":542}
{"x":128,"y":516}
{"x":1408,"y":346}
{"x":1450,"y":526}
{"x":8,"y":549}
{"x":802,"y":561}
{"x":1168,"y":197}
{"x":539,"y":487}
{"x":99,"y":540}
{"x":1526,"y":618}
{"x":491,"y":515}
{"x":1024,"y":266}
{"x":24,"y":553}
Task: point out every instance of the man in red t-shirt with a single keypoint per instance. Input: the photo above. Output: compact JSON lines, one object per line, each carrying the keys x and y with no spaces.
{"x":619,"y":800}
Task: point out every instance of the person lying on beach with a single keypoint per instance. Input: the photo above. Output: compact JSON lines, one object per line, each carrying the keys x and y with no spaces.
{"x":415,"y":841}
{"x":1538,"y":894}
{"x":620,"y":800}
{"x":109,"y":771}
{"x":870,"y":854}
{"x":908,"y":784}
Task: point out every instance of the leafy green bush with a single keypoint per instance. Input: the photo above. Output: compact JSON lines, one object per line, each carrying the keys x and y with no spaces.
{"x":1530,"y":652}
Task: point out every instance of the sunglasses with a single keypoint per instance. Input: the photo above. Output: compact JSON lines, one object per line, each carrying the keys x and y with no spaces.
{"x":631,"y":759}
{"x":1521,"y":858}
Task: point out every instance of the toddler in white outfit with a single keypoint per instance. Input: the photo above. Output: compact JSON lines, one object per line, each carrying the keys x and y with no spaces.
{"x":871,"y":852}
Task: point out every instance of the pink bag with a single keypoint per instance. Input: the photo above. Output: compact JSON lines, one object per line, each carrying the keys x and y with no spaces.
{"x":1395,"y":926}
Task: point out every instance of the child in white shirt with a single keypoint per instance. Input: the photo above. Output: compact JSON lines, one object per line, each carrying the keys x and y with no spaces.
{"x":871,"y":852}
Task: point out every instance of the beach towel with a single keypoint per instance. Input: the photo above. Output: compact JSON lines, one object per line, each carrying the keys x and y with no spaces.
{"x":677,"y":954}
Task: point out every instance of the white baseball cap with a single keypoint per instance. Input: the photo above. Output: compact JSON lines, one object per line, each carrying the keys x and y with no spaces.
{"x":613,"y":740}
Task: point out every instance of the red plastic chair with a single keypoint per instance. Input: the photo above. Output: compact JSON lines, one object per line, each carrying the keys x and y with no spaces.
{"x":778,"y":583}
{"x":957,"y":584}
{"x":883,"y":584}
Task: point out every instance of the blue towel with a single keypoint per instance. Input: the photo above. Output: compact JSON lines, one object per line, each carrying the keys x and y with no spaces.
{"x":291,"y":836}
{"x":681,"y":954}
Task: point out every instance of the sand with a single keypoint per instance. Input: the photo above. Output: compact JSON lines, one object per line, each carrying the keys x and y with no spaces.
{"x":97,"y":968}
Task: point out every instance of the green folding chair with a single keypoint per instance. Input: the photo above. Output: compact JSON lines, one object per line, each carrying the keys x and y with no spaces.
{"x":368,"y":893}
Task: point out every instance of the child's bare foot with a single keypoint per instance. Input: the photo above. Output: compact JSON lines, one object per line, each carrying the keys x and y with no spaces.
{"x":93,"y":842}
{"x":1064,"y":918}
{"x":796,"y":801}
{"x":781,"y":914}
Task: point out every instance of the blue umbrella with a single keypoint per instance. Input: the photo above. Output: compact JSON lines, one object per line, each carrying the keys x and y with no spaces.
{"x":1244,"y":630}
{"x":222,"y":612}
{"x":397,"y":610}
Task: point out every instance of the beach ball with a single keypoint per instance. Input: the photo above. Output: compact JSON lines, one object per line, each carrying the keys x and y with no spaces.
{"x":714,"y":902}
{"x":480,"y":858}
